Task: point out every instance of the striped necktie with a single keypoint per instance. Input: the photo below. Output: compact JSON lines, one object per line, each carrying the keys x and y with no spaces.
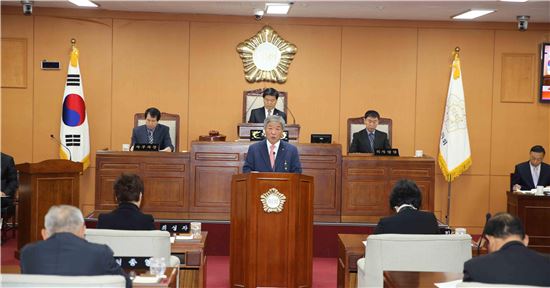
{"x":371,"y":140}
{"x":150,"y":136}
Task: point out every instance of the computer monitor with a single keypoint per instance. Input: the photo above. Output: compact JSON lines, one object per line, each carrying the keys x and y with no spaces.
{"x":321,"y":138}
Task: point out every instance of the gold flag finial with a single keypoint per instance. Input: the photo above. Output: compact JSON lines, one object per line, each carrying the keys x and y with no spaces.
{"x":456,"y":63}
{"x":74,"y":53}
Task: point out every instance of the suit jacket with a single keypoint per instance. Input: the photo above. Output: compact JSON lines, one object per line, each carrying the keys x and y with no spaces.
{"x":258,"y":115}
{"x":512,"y":264}
{"x":522,"y":176}
{"x":161,"y":136}
{"x":361,"y":143}
{"x":66,"y":254}
{"x":408,"y":221}
{"x":126,"y":217}
{"x":286,"y":159}
{"x":10,"y":183}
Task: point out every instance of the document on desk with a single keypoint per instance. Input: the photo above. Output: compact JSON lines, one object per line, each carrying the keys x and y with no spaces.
{"x":146,"y":279}
{"x":450,"y":284}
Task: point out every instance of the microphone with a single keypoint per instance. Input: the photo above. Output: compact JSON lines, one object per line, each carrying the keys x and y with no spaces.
{"x":481,"y":238}
{"x":291,"y":114}
{"x":250,"y":107}
{"x":59,"y":142}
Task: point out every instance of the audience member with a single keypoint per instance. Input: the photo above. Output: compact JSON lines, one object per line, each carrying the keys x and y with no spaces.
{"x":64,"y":251}
{"x":406,"y":199}
{"x":10,"y":183}
{"x":128,"y":190}
{"x":509,"y":260}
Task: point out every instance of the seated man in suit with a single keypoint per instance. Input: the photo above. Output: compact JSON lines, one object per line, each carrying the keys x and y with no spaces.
{"x":369,"y":139}
{"x":64,"y":250}
{"x":153,"y":132}
{"x":270,"y":96}
{"x":10,"y":183}
{"x":509,"y":260}
{"x":528,"y":175}
{"x":272,"y":154}
{"x":128,"y":193}
{"x":406,"y":199}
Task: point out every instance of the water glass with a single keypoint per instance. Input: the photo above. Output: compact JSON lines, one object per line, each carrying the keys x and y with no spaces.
{"x":157,"y":266}
{"x":196,"y":230}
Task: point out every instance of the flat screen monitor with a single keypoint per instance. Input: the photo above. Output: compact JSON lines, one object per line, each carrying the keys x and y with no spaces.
{"x":545,"y":73}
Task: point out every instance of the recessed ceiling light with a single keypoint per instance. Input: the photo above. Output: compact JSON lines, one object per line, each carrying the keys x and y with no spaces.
{"x":277,"y":8}
{"x":472,"y":14}
{"x":83,"y":3}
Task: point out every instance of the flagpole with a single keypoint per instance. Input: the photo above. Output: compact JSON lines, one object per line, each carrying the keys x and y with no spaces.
{"x":448,"y":217}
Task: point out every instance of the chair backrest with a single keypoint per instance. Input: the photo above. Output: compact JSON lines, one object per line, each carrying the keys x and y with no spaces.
{"x":38,"y":281}
{"x":135,"y":243}
{"x":358,"y":123}
{"x":252,"y":99}
{"x":170,"y":120}
{"x":414,"y":252}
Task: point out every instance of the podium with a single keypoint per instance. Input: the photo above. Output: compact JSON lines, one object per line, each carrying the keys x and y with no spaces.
{"x":41,"y":185}
{"x":271,"y":230}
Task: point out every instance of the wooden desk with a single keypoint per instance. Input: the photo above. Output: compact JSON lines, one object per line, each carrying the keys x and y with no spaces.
{"x":192,"y":261}
{"x":534,"y":212}
{"x":400,"y":279}
{"x":350,"y":249}
{"x":367,"y":181}
{"x":169,"y":281}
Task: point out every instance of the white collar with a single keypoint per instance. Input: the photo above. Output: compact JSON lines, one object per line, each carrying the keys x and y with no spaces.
{"x":403,"y":206}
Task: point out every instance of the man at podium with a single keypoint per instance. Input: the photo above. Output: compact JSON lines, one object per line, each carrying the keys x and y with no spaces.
{"x":270,"y":96}
{"x":528,"y":175}
{"x":369,"y":139}
{"x":272,"y":154}
{"x":153,"y":132}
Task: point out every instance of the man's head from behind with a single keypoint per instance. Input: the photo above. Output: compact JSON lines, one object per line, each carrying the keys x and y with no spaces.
{"x":503,"y":228}
{"x":152,"y":117}
{"x":128,"y":187}
{"x":270,"y":96}
{"x":371,"y":120}
{"x":63,"y":218}
{"x":536,"y":155}
{"x":405,"y":192}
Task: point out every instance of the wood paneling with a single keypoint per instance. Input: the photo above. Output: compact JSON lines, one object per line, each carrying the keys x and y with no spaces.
{"x":518,"y":77}
{"x":14,"y":63}
{"x":534,"y":212}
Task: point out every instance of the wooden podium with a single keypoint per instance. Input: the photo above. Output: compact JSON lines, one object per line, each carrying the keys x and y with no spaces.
{"x":274,"y":248}
{"x":42,"y":185}
{"x":534,"y":212}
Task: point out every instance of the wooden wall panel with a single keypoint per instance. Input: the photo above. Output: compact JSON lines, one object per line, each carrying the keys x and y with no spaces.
{"x":518,"y":76}
{"x":14,"y":62}
{"x":473,"y":189}
{"x":17,"y":103}
{"x":150,"y":68}
{"x":379,"y":72}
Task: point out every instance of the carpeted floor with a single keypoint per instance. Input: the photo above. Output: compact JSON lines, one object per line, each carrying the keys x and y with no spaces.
{"x":217,"y":273}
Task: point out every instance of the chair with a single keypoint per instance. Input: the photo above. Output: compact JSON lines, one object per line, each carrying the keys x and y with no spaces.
{"x":170,"y":120}
{"x":136,"y":243}
{"x":411,"y":252}
{"x":8,"y":215}
{"x":39,"y":281}
{"x":358,"y":123}
{"x":252,"y":99}
{"x":478,"y":284}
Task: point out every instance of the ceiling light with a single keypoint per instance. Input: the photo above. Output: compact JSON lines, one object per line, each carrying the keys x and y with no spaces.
{"x":471,"y":14}
{"x":513,"y":0}
{"x":277,"y":8}
{"x":83,"y":3}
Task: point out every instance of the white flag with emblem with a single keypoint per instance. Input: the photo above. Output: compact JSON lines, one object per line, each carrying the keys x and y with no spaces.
{"x":454,"y":146}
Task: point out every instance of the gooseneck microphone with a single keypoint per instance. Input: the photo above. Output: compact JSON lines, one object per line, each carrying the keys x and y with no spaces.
{"x":291,"y":114}
{"x":480,"y":242}
{"x":59,"y":142}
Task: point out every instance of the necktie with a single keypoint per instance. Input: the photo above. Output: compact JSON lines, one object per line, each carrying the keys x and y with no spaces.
{"x":272,"y":155}
{"x":536,"y":175}
{"x":269,"y":112}
{"x":150,"y":136}
{"x":371,"y":140}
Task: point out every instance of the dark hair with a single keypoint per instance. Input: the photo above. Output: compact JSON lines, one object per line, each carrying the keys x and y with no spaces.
{"x":127,"y":187}
{"x":405,"y":192}
{"x":270,"y":92}
{"x":372,"y":114}
{"x":154,"y":112}
{"x":503,"y":225}
{"x":538,"y":149}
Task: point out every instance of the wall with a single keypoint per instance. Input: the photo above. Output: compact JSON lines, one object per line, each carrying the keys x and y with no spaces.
{"x":187,"y":64}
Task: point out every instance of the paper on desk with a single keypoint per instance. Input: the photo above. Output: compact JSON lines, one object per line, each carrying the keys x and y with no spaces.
{"x":450,"y":284}
{"x":184,"y":237}
{"x":146,"y":279}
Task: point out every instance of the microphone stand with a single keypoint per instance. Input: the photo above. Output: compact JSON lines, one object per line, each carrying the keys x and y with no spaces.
{"x":59,"y":142}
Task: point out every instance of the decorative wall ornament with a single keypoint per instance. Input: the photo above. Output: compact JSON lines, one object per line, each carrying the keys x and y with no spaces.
{"x":266,"y":56}
{"x":273,"y":201}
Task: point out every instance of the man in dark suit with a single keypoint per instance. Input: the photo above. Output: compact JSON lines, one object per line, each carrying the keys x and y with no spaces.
{"x":153,"y":132}
{"x":10,"y":183}
{"x":64,"y":250}
{"x":369,"y":139}
{"x":528,"y":175}
{"x":270,"y":96}
{"x":406,"y":199}
{"x":509,"y":260}
{"x":129,"y":193}
{"x":272,"y":154}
